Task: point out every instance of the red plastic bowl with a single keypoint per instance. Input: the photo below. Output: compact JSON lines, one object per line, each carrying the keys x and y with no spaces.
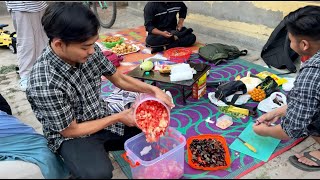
{"x":207,"y":136}
{"x":178,"y":55}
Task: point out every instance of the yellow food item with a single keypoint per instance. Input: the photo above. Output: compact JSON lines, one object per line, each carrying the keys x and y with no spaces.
{"x":165,"y":69}
{"x":238,"y":110}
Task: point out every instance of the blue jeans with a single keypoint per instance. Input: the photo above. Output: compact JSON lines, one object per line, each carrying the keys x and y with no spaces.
{"x":87,"y":158}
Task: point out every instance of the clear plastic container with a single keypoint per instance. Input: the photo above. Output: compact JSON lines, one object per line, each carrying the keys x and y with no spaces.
{"x":165,"y":160}
{"x":224,"y":122}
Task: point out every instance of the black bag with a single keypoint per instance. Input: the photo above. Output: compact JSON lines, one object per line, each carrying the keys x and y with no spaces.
{"x":277,"y":52}
{"x":229,"y":88}
{"x":216,"y":52}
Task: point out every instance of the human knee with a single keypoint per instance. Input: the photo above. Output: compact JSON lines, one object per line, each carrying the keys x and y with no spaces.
{"x":188,"y":40}
{"x":192,"y":38}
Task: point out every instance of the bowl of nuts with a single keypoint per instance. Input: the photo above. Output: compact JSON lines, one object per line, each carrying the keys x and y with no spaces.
{"x":208,"y":152}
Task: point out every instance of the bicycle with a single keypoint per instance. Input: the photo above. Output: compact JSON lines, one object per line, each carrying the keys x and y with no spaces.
{"x":105,"y":11}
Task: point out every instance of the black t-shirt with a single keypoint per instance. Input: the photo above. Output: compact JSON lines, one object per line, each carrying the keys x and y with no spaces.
{"x":163,"y":16}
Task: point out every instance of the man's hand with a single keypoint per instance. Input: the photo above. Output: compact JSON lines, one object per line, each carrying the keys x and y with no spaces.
{"x":127,"y":117}
{"x":267,"y":118}
{"x":166,"y":34}
{"x":179,"y":26}
{"x":158,"y":93}
{"x":272,"y":116}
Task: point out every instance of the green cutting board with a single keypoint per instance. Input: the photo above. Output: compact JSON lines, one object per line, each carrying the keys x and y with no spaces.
{"x":265,"y":146}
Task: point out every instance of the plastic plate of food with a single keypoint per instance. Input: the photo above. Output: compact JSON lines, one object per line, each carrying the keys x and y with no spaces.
{"x":111,"y":41}
{"x":125,"y":48}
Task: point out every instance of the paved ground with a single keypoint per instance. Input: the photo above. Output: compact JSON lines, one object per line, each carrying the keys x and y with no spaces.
{"x":279,"y":167}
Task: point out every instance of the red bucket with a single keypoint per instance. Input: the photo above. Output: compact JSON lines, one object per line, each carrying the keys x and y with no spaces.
{"x":178,"y":54}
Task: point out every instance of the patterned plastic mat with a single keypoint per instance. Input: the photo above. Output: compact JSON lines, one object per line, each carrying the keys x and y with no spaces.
{"x":189,"y":119}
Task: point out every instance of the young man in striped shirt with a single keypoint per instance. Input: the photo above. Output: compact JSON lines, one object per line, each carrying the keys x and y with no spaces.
{"x":31,"y":38}
{"x":300,"y":117}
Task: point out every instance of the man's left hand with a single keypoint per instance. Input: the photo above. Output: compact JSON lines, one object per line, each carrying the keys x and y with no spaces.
{"x":163,"y":97}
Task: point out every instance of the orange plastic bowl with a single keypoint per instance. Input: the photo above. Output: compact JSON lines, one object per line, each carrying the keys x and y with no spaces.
{"x":207,"y":136}
{"x":178,"y":54}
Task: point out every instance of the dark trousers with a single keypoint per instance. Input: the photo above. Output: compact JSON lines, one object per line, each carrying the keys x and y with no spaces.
{"x":160,"y":41}
{"x":87,"y":158}
{"x":4,"y":106}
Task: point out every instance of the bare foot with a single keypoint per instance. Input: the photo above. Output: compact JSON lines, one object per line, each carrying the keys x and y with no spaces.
{"x":307,"y":161}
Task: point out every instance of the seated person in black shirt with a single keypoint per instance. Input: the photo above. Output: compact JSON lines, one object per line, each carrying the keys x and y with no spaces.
{"x":164,"y":32}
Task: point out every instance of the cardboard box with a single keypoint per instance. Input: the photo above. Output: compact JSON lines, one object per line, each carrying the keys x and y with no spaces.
{"x":199,"y":88}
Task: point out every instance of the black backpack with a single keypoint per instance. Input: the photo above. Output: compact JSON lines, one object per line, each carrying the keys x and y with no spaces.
{"x":228,"y":88}
{"x":277,"y":52}
{"x":217,"y":52}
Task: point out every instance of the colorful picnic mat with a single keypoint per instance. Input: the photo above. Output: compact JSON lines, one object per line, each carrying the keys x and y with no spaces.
{"x":189,"y":119}
{"x":137,"y":36}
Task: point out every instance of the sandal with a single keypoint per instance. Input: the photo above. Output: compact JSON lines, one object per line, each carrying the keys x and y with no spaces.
{"x":294,"y":161}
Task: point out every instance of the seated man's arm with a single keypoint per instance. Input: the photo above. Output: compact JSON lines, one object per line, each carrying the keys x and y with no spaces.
{"x":148,"y":17}
{"x":301,"y":108}
{"x":128,"y":83}
{"x":89,"y":127}
{"x":54,"y":106}
{"x":182,"y":15}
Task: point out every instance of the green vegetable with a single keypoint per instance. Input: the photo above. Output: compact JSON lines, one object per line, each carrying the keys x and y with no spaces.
{"x":146,"y":65}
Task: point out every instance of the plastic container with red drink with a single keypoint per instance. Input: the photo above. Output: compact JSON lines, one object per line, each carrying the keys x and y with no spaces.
{"x":152,"y":116}
{"x":165,"y":160}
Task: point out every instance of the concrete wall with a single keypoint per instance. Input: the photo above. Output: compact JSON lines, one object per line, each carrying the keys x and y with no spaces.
{"x":252,"y":20}
{"x":3,"y":9}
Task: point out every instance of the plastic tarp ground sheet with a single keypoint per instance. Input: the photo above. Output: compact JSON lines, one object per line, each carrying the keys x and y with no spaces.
{"x":189,"y":119}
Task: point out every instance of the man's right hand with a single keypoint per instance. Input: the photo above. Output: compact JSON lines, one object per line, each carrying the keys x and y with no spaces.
{"x":166,"y":34}
{"x":267,"y":118}
{"x":271,"y":116}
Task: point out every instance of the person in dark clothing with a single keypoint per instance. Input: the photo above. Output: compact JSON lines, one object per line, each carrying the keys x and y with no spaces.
{"x":164,"y":31}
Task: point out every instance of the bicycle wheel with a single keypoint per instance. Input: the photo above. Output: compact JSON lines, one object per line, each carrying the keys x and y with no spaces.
{"x":106,"y":16}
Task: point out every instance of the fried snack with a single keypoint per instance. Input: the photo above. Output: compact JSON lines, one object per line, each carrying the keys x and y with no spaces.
{"x":123,"y":48}
{"x":111,"y":39}
{"x":165,"y":69}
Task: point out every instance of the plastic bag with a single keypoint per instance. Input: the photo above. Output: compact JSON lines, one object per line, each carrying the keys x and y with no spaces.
{"x":242,"y":99}
{"x":289,"y":84}
{"x":275,"y":100}
{"x":278,"y":79}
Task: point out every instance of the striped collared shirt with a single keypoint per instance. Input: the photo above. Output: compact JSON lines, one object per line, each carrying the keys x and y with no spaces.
{"x":26,"y":6}
{"x":59,"y":93}
{"x":303,"y":99}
